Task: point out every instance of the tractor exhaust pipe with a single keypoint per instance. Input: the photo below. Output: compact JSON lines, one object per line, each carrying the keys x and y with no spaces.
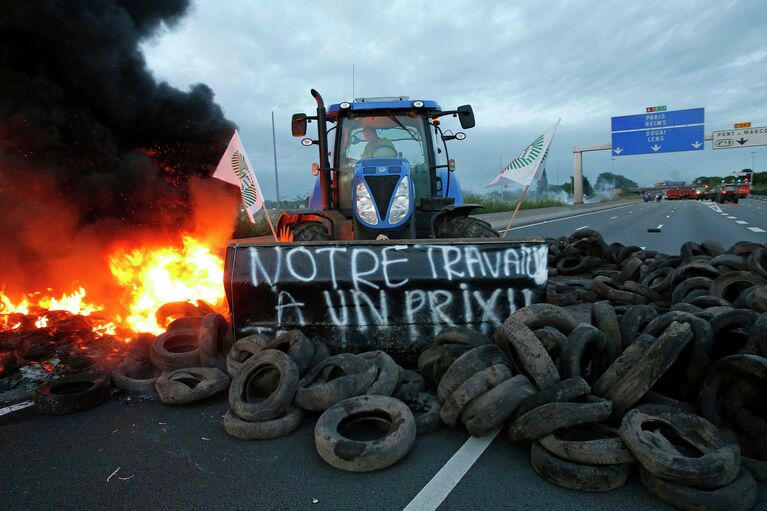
{"x":322,"y":137}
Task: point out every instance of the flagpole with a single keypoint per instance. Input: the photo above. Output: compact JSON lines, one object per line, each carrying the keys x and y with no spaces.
{"x":269,"y":221}
{"x":516,"y":210}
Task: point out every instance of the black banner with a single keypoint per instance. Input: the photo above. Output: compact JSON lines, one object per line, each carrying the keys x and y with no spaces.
{"x":360,"y":295}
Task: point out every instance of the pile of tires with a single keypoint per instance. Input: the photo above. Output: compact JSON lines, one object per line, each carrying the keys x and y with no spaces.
{"x":370,"y":408}
{"x":183,"y":365}
{"x":665,"y":368}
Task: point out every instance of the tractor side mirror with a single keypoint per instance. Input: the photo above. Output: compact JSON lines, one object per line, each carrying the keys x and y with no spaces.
{"x":298,"y":125}
{"x":466,"y":116}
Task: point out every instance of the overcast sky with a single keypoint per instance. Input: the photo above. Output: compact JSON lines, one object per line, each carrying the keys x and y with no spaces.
{"x":520,"y":66}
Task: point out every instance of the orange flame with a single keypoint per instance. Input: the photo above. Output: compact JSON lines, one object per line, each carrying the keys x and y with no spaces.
{"x":153,"y":277}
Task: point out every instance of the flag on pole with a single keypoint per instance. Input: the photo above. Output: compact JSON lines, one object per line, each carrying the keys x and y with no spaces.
{"x":235,"y":168}
{"x":529,"y":164}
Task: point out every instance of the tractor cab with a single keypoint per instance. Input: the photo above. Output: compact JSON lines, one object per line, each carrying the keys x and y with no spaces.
{"x":384,"y":169}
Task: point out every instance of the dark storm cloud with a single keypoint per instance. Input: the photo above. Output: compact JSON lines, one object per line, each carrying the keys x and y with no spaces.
{"x":521,"y":66}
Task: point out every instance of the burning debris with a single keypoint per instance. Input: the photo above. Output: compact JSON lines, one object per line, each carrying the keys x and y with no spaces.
{"x":105,"y":218}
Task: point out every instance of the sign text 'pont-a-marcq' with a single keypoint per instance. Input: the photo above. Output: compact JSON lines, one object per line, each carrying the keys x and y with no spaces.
{"x":351,"y":290}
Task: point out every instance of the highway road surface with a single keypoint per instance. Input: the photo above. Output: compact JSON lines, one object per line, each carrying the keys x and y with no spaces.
{"x":139,"y":454}
{"x":678,"y":221}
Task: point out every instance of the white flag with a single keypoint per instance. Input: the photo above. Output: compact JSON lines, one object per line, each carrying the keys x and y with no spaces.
{"x":529,"y":164}
{"x":235,"y":168}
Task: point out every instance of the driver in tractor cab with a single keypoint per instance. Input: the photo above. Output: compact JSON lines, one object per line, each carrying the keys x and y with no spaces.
{"x":377,"y":147}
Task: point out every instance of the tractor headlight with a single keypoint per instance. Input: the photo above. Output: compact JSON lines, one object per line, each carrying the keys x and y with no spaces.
{"x":365,"y":207}
{"x":401,"y":204}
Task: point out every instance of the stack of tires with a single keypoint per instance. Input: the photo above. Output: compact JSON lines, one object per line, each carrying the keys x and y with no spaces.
{"x":276,"y":381}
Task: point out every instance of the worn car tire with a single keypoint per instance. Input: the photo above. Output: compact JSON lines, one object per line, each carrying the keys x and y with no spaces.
{"x":589,"y":444}
{"x":634,"y":321}
{"x":458,"y":335}
{"x":551,"y":417}
{"x":490,"y":410}
{"x":190,"y":384}
{"x":243,"y":349}
{"x":539,"y":315}
{"x":467,"y":366}
{"x":255,"y":394}
{"x":576,"y":476}
{"x":654,"y":362}
{"x":565,"y":390}
{"x":477,"y":384}
{"x":622,"y":365}
{"x":296,"y":345}
{"x":213,"y":348}
{"x":263,"y":430}
{"x":71,"y":394}
{"x":526,"y":353}
{"x":410,"y":385}
{"x":388,"y":376}
{"x":681,"y":447}
{"x":739,"y":495}
{"x":603,"y":317}
{"x":335,"y":379}
{"x":136,"y":376}
{"x":425,"y":408}
{"x":364,"y":456}
{"x":585,"y":354}
{"x":176,"y":349}
{"x":435,"y":361}
{"x":728,"y":286}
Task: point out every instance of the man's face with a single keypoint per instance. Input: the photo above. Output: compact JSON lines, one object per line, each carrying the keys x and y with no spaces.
{"x":368,"y":133}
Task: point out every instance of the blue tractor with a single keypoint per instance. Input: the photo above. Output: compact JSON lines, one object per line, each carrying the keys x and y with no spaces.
{"x":384,"y":172}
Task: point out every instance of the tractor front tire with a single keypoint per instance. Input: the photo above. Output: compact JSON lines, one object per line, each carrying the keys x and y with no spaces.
{"x":463,"y":227}
{"x":310,"y":231}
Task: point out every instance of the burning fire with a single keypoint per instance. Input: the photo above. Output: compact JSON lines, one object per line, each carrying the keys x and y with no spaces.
{"x":151,"y":277}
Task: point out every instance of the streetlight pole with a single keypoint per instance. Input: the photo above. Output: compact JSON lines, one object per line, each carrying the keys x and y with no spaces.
{"x":753,"y":165}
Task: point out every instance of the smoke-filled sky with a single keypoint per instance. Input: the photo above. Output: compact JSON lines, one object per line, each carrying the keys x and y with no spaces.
{"x":521,"y":66}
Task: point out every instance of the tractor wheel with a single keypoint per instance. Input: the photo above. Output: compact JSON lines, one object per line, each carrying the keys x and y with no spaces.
{"x":310,"y":231}
{"x":463,"y":227}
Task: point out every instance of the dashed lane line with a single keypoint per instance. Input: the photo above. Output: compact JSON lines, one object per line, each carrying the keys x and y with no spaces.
{"x":581,"y":227}
{"x":565,"y":218}
{"x":741,"y":222}
{"x":756,"y":229}
{"x":436,"y":490}
{"x":660,"y":226}
{"x":613,"y":217}
{"x":732,"y":217}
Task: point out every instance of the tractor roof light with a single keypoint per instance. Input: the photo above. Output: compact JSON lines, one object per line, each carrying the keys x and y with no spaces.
{"x":418,"y":103}
{"x":345,"y":105}
{"x":306,"y":142}
{"x":451,"y":165}
{"x":460,"y":135}
{"x":315,"y":169}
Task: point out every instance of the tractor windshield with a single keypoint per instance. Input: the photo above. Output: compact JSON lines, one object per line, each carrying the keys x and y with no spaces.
{"x":384,"y":135}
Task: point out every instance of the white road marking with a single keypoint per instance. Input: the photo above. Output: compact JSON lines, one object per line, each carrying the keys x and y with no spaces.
{"x":741,"y":222}
{"x":443,"y":482}
{"x":613,"y":217}
{"x":668,"y":216}
{"x":631,"y":212}
{"x":756,"y":229}
{"x":18,"y":406}
{"x":582,"y":227}
{"x":564,"y":218}
{"x":732,"y":217}
{"x":660,"y":226}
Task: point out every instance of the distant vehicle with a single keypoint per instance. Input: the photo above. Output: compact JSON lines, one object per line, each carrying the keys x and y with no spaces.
{"x":744,"y":190}
{"x":726,"y":193}
{"x":707,"y":193}
{"x":680,"y":193}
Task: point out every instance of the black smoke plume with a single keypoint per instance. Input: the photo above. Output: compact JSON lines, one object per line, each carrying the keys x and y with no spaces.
{"x":91,"y":146}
